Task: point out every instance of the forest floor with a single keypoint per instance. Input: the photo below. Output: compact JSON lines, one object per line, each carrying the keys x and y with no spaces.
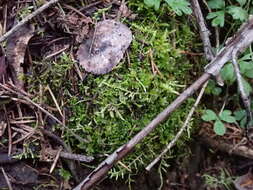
{"x":60,"y":117}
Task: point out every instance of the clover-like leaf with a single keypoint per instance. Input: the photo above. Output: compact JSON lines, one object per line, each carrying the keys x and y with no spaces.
{"x":219,"y":128}
{"x":209,"y":115}
{"x":238,"y":13}
{"x":242,"y":2}
{"x":240,"y":114}
{"x":227,"y":117}
{"x":179,"y":6}
{"x":227,"y":73}
{"x":218,"y":18}
{"x":153,"y":3}
{"x":247,"y":87}
{"x":216,"y":4}
{"x":246,"y":68}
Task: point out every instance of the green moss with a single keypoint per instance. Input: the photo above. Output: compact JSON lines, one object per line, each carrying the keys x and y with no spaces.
{"x":110,"y":109}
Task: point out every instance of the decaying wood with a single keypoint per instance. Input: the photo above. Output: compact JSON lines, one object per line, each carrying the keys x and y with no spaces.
{"x":242,"y":39}
{"x":221,"y":145}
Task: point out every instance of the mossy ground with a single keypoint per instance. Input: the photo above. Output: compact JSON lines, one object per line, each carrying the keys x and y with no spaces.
{"x":110,"y":109}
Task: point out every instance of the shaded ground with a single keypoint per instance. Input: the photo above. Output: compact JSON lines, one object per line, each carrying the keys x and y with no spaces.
{"x":156,"y":67}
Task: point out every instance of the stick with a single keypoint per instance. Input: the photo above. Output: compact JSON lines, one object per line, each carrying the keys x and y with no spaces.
{"x":27,"y":19}
{"x":244,"y":96}
{"x":180,"y":132}
{"x":203,"y":30}
{"x":242,"y":39}
{"x":242,"y":150}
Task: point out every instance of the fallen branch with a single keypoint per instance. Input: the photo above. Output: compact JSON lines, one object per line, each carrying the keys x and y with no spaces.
{"x":27,"y":19}
{"x":204,"y":32}
{"x":180,"y":132}
{"x":220,"y":145}
{"x":242,"y":39}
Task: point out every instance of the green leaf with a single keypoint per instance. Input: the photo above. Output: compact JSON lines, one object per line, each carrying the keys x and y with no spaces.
{"x":153,"y":3}
{"x":246,"y":68}
{"x":209,"y":115}
{"x":157,"y":4}
{"x":219,"y":128}
{"x":240,"y":114}
{"x":243,"y":122}
{"x":242,"y":2}
{"x":216,"y":4}
{"x":179,"y":6}
{"x":227,"y":73}
{"x":238,"y":13}
{"x":216,"y":91}
{"x":247,"y":86}
{"x":218,"y":18}
{"x":226,"y":116}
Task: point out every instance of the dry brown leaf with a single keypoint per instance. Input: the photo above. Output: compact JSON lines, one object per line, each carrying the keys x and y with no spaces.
{"x":244,"y":182}
{"x":104,"y":50}
{"x":15,"y":52}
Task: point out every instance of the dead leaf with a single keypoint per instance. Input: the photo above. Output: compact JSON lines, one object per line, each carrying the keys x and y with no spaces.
{"x":2,"y":127}
{"x":104,"y":50}
{"x":15,"y":52}
{"x":3,"y":67}
{"x":244,"y":182}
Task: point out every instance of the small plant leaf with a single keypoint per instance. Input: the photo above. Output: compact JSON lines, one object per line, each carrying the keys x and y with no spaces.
{"x":240,"y":114}
{"x":242,"y":2}
{"x":209,"y":115}
{"x":179,"y":6}
{"x":247,"y":87}
{"x":219,"y":128}
{"x":246,"y":68}
{"x":238,"y":13}
{"x":227,"y":73}
{"x":216,"y":91}
{"x":216,"y":4}
{"x":227,"y":117}
{"x":243,"y":122}
{"x":218,"y":18}
{"x":153,"y":3}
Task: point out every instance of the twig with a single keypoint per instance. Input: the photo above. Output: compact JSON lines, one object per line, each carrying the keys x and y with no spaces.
{"x":6,"y":179}
{"x":180,"y":132}
{"x":55,"y":160}
{"x":44,"y":111}
{"x":244,"y":96}
{"x":204,"y":35}
{"x":27,"y":19}
{"x":242,"y":39}
{"x":204,"y":32}
{"x":244,"y":151}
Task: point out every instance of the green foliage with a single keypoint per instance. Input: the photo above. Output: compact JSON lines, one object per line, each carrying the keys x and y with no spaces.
{"x":219,"y":10}
{"x":246,"y":69}
{"x":222,"y":180}
{"x":110,"y":109}
{"x":224,"y":116}
{"x":180,"y":7}
{"x":64,"y":174}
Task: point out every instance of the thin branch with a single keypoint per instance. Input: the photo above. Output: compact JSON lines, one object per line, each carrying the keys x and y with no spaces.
{"x":204,"y":32}
{"x":180,"y":132}
{"x":27,"y":19}
{"x":242,"y":150}
{"x":26,"y":98}
{"x":6,"y":179}
{"x":244,"y":96}
{"x":242,"y":39}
